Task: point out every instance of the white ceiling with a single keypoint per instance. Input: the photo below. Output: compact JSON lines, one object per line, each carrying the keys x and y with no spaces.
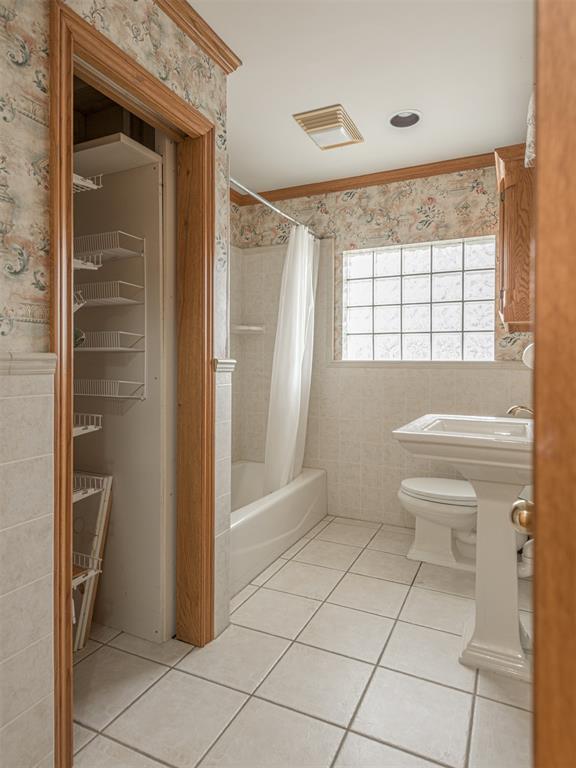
{"x":466,"y":64}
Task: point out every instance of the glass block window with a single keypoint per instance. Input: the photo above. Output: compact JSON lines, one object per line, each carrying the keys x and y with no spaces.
{"x":427,"y":301}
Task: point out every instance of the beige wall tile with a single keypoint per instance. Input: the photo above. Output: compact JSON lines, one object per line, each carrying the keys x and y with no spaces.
{"x":28,"y":424}
{"x":25,"y":679}
{"x":25,"y":490}
{"x":27,"y":740}
{"x":22,"y":384}
{"x":25,"y":616}
{"x":25,"y":553}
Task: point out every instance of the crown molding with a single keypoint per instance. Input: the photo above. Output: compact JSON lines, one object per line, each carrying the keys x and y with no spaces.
{"x":201,"y":33}
{"x":238,"y":197}
{"x":471,"y":162}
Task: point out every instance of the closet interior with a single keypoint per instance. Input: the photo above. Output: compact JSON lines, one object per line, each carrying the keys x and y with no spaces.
{"x":124,"y":417}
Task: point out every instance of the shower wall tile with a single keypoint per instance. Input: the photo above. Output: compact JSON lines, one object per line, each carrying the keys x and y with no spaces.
{"x":26,"y":529}
{"x":354,"y":408}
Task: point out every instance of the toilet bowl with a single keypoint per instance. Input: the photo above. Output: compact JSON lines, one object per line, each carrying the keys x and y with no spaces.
{"x":445,"y":512}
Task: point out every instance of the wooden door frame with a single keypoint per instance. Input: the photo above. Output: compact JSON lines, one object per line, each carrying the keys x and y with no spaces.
{"x":77,"y":48}
{"x":554,"y":387}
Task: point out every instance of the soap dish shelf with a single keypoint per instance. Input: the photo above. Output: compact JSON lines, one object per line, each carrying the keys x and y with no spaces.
{"x":248,"y":330}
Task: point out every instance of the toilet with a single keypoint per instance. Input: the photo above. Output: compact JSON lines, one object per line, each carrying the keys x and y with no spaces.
{"x":445,"y":512}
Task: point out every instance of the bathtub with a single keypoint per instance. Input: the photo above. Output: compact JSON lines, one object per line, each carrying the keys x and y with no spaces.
{"x":262,"y":527}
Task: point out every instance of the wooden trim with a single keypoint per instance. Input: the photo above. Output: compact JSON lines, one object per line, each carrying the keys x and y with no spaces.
{"x":61,"y":121}
{"x":511,"y":152}
{"x":78,"y":47}
{"x":239,"y":198}
{"x":469,"y":163}
{"x":201,"y":33}
{"x":194,"y":623}
{"x":108,"y":68}
{"x":555,"y":405}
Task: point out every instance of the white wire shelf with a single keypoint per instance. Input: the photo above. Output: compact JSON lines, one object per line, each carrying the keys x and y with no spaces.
{"x":248,"y":329}
{"x":78,"y":300}
{"x":109,"y":388}
{"x":91,"y":261}
{"x":111,"y":292}
{"x":85,"y":484}
{"x":86,"y":422}
{"x":86,"y":184}
{"x":108,"y":245}
{"x":110,"y":341}
{"x":84,"y":567}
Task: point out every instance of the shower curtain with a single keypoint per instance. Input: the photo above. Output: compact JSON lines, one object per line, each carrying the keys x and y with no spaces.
{"x":292,"y":364}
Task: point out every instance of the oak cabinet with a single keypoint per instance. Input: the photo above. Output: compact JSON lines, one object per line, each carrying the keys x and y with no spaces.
{"x":515,"y":236}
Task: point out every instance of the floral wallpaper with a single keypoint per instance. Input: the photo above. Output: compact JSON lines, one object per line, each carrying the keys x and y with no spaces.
{"x":143,"y":31}
{"x":463,"y":204}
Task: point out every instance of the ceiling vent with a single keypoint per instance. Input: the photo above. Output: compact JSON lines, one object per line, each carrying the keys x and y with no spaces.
{"x":329,"y":127}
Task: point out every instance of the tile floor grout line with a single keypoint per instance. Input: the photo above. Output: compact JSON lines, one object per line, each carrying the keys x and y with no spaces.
{"x":100,"y":731}
{"x":137,"y":750}
{"x":374,"y":670}
{"x":292,"y":642}
{"x":471,"y":720}
{"x":295,"y":641}
{"x":404,"y":750}
{"x":426,"y":679}
{"x":252,"y":695}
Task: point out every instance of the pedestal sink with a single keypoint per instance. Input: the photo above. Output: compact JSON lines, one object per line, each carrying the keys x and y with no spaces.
{"x":495,"y":455}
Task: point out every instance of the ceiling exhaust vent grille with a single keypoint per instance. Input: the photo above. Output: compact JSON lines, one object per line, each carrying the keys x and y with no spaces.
{"x":329,"y":127}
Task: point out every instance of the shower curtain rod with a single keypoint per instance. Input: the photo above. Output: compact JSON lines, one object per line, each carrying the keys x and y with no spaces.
{"x":268,"y":204}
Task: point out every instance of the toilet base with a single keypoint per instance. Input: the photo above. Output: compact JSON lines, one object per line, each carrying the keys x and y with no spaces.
{"x":436,"y":544}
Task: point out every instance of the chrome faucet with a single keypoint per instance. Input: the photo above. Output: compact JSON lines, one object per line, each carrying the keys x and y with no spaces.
{"x":514,"y":409}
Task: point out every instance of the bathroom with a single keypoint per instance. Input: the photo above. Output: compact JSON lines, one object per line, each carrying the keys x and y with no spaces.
{"x":269,"y":381}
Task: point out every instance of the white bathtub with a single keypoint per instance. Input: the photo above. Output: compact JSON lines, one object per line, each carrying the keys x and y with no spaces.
{"x":262,"y":527}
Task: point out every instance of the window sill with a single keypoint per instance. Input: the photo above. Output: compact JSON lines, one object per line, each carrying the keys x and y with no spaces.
{"x":514,"y":365}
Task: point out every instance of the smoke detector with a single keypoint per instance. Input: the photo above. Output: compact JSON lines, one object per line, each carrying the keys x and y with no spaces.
{"x":329,"y":127}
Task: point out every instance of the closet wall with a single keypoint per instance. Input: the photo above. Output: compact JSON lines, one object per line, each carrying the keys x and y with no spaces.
{"x":136,"y":443}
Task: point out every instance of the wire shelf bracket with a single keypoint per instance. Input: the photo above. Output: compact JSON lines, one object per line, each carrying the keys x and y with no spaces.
{"x":84,"y":423}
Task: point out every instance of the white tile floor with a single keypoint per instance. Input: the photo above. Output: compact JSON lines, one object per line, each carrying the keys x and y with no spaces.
{"x":342,"y":653}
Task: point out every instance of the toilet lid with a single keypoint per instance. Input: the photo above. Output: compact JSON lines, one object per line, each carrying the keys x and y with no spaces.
{"x":441,"y":490}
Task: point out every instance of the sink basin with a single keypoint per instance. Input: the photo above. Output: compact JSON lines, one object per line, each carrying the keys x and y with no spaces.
{"x":481,"y":446}
{"x":495,"y":455}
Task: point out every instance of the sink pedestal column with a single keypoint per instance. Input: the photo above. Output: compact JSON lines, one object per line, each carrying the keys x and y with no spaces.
{"x":495,"y":642}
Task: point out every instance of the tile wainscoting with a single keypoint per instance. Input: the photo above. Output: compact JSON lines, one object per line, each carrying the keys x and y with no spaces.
{"x":353,"y":406}
{"x":222,"y":494}
{"x":26,"y":550}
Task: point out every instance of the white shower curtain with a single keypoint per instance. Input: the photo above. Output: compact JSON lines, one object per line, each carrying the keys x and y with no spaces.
{"x":292,"y":365}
